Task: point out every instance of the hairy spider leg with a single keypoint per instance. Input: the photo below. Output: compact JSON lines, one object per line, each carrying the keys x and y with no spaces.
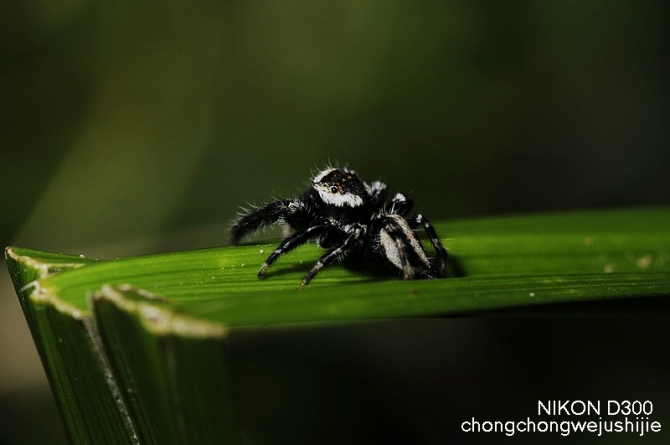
{"x":378,"y":193}
{"x":291,"y":243}
{"x":400,"y":259}
{"x":330,"y":256}
{"x":420,"y":220}
{"x":402,"y":247}
{"x":270,"y":213}
{"x":400,"y":205}
{"x":402,"y":255}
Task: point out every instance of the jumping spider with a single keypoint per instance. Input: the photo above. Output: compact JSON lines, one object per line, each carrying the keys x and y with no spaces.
{"x":348,"y":216}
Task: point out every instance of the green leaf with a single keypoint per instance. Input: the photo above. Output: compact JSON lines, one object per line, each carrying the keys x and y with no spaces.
{"x":71,"y":352}
{"x":135,"y":347}
{"x":172,"y":369}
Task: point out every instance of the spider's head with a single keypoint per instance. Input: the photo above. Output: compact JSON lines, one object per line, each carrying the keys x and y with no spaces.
{"x":341,"y":187}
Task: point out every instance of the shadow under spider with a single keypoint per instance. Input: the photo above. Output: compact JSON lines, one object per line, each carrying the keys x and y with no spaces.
{"x":378,"y":269}
{"x":373,"y":269}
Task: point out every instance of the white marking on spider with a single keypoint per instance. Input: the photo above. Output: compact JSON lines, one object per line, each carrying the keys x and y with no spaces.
{"x":337,"y":199}
{"x":378,"y":185}
{"x":392,"y":249}
{"x":319,"y":177}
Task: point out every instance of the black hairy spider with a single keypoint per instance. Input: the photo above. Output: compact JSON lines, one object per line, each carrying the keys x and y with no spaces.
{"x":348,"y":216}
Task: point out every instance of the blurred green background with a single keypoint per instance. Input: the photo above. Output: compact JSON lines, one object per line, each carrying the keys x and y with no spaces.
{"x":130,"y":128}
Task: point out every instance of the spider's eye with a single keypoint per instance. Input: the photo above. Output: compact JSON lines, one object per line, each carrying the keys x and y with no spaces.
{"x":333,"y":189}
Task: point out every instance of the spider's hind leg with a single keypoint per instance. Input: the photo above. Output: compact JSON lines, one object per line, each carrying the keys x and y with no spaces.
{"x":378,"y":193}
{"x":420,"y":220}
{"x":400,"y":205}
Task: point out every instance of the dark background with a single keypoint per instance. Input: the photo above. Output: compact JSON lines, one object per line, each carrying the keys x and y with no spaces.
{"x":130,"y":128}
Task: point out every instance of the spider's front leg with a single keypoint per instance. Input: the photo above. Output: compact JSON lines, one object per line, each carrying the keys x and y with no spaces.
{"x":335,"y":254}
{"x":269,"y":214}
